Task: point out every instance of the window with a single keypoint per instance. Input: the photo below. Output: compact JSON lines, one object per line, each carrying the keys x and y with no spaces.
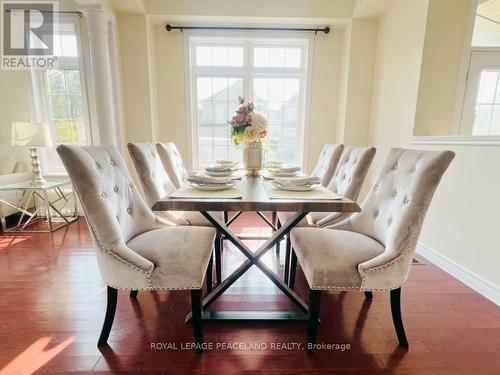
{"x":271,"y":72}
{"x":63,"y":92}
{"x":481,"y":109}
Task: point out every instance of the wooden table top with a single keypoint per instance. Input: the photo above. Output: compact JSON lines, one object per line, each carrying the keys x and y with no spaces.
{"x":255,"y":199}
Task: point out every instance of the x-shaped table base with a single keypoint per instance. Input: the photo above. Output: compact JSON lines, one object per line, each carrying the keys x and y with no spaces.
{"x":253,"y":259}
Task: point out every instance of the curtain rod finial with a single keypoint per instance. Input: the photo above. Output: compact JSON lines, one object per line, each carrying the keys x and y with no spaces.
{"x":327,"y":29}
{"x":168,"y":27}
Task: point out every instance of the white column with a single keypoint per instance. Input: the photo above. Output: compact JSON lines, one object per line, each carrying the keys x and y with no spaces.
{"x":106,"y":96}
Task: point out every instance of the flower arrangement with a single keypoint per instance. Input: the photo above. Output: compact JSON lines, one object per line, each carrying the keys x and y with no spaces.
{"x":247,"y":125}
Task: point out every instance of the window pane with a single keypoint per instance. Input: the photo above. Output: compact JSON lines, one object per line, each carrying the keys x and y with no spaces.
{"x":203,"y":56}
{"x":487,"y":86}
{"x":482,"y":119}
{"x":219,"y":56}
{"x":214,"y":111}
{"x":69,"y":47}
{"x":60,"y":108}
{"x":66,"y":131}
{"x":261,"y":57}
{"x":235,"y":56}
{"x":76,"y":106}
{"x":292,"y":58}
{"x":56,"y":82}
{"x":277,"y":57}
{"x":73,"y":82}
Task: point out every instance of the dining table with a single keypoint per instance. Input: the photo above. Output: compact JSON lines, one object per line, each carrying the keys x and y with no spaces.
{"x":254,"y":194}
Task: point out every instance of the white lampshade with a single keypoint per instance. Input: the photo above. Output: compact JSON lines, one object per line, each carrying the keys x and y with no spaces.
{"x":31,"y":134}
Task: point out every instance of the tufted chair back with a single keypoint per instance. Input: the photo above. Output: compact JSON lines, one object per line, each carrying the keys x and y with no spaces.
{"x":114,"y":210}
{"x":152,"y":175}
{"x":394,"y":210}
{"x":327,"y":163}
{"x":172,"y":162}
{"x":351,"y":171}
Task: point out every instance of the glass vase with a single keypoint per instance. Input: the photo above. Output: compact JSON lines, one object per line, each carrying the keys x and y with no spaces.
{"x":252,"y":158}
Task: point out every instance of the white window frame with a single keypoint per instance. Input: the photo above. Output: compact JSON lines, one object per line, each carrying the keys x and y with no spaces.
{"x":304,"y":41}
{"x":41,"y":108}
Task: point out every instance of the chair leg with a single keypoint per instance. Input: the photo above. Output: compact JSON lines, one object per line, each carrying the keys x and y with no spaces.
{"x":396,"y":317}
{"x":278,"y":226}
{"x":110,"y":316}
{"x":226,"y":217}
{"x":368,"y":294}
{"x":209,"y":274}
{"x":196,"y":321}
{"x":312,"y":324}
{"x":218,"y":263}
{"x":133,"y":294}
{"x":293,"y":268}
{"x":286,"y":272}
{"x":274,"y":216}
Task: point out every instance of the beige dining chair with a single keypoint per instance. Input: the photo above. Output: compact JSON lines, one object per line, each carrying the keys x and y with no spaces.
{"x":325,"y":168}
{"x":172,"y":162}
{"x":346,"y":182}
{"x":157,"y":184}
{"x":372,"y":250}
{"x":327,"y":162}
{"x":135,"y":249}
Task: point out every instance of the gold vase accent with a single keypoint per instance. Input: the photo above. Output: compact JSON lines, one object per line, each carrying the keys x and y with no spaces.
{"x":252,"y":158}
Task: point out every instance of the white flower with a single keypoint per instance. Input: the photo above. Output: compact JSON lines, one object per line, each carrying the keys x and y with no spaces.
{"x":259,"y":122}
{"x":251,"y":134}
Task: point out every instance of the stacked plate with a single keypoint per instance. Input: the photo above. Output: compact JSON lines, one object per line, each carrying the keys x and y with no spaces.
{"x":286,"y":172}
{"x":297,"y":183}
{"x":221,"y":169}
{"x":210,"y":183}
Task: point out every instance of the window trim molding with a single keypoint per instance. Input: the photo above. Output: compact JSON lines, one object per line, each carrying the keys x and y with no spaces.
{"x":305,"y":73}
{"x":466,"y":140}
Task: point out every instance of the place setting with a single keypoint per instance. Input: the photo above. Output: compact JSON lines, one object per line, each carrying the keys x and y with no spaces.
{"x":298,"y":188}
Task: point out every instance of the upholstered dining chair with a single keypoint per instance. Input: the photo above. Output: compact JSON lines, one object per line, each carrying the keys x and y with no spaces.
{"x":325,"y":168}
{"x":135,"y":250}
{"x":327,"y":162}
{"x":372,"y":250}
{"x":172,"y":162}
{"x":157,"y":184}
{"x":346,"y":182}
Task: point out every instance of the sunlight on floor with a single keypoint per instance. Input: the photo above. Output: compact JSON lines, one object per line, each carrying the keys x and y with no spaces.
{"x":35,"y":356}
{"x":5,"y":242}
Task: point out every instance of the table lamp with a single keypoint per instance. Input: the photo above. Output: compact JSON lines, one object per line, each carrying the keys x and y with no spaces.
{"x":32,"y":135}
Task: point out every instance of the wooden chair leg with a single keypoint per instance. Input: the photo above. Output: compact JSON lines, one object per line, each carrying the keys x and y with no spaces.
{"x":133,"y":294}
{"x":110,"y":316}
{"x":368,"y":294}
{"x":312,"y":324}
{"x":278,"y":226}
{"x":196,"y":320}
{"x":396,"y":317}
{"x":293,"y":268}
{"x":286,"y":271}
{"x":218,"y":263}
{"x":209,"y":274}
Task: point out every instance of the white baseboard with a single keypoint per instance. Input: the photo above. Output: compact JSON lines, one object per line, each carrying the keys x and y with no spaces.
{"x":469,"y":278}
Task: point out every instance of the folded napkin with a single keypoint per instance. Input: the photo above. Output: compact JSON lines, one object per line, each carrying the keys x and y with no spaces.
{"x":207,"y":180}
{"x":226,"y":162}
{"x":219,"y":168}
{"x":298,"y":181}
{"x":288,"y":169}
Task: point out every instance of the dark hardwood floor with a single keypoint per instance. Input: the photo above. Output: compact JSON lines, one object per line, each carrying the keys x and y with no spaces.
{"x":52,"y":305}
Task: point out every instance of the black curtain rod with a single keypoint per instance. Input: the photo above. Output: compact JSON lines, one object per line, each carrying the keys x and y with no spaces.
{"x":59,"y":11}
{"x":169,"y":27}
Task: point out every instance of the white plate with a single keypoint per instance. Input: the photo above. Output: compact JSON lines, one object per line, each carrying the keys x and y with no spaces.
{"x":218,"y":174}
{"x":284,"y":174}
{"x":226,"y":163}
{"x":296,"y":188}
{"x":213,"y":187}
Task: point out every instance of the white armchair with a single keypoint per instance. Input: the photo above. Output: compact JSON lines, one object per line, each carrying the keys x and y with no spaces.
{"x":373,"y":249}
{"x":134,"y":249}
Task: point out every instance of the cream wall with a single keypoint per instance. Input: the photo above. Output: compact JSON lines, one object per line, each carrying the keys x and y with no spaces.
{"x":462,"y":222}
